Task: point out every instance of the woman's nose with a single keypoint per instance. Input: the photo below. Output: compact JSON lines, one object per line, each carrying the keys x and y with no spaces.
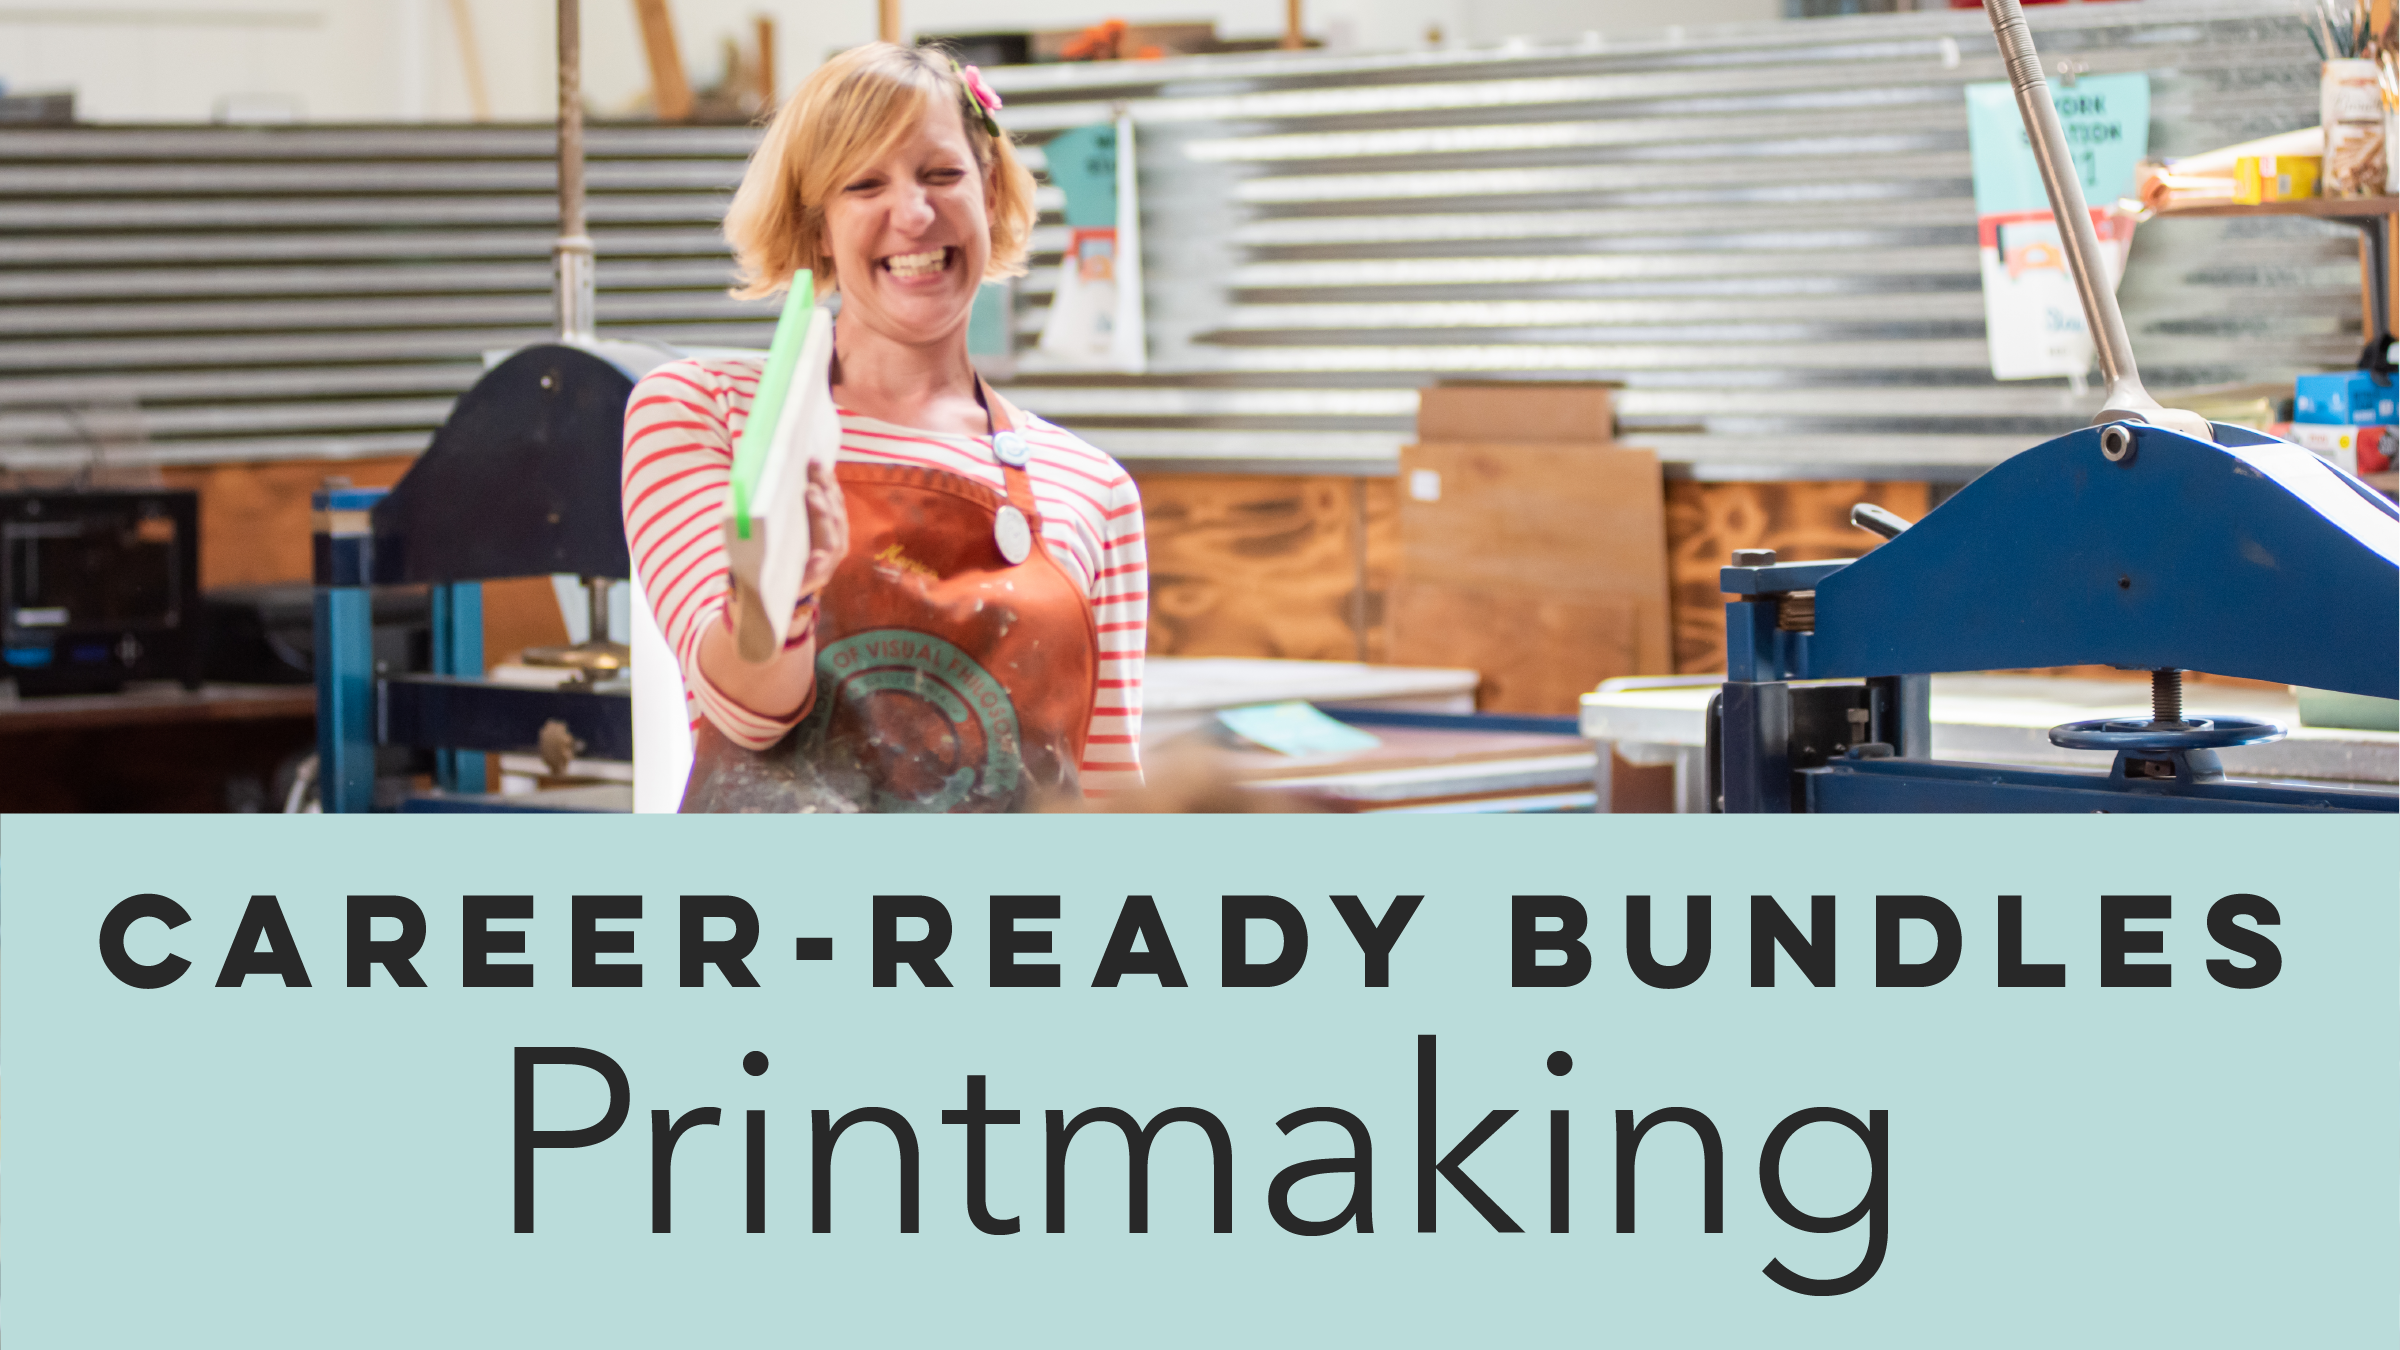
{"x":914,"y":211}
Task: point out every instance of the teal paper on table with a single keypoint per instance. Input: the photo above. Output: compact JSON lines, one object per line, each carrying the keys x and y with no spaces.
{"x":2031,"y":1113}
{"x":1295,"y":729}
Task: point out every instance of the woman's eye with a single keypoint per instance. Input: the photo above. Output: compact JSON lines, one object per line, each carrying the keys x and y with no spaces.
{"x":864,"y":185}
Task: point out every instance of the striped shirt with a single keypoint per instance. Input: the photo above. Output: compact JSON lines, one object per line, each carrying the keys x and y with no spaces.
{"x":680,"y":427}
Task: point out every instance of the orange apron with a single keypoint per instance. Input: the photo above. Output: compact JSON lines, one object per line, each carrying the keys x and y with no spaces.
{"x":956,"y":658}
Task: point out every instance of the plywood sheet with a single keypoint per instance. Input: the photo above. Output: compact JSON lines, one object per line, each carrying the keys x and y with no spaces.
{"x":1538,"y":652}
{"x":520,"y":612}
{"x":1268,"y":565}
{"x":1543,"y":566}
{"x":1801,"y":521}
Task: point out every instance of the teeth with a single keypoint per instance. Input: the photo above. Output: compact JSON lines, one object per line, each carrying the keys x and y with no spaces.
{"x":917,"y":264}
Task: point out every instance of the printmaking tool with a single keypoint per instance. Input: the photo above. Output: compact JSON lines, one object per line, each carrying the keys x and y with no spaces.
{"x":521,"y":480}
{"x":792,"y":426}
{"x":2152,"y":540}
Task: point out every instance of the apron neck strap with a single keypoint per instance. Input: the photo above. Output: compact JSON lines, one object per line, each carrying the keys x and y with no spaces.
{"x":998,"y":413}
{"x":1002,"y":416}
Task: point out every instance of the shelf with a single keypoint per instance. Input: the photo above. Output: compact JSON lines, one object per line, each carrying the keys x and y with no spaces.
{"x":2377,"y":219}
{"x":2339,"y":208}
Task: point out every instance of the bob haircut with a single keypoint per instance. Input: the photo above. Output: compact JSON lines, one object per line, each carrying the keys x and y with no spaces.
{"x":850,"y":111}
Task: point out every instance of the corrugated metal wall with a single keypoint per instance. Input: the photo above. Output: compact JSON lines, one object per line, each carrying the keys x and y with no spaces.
{"x":320,"y":291}
{"x":1765,"y":232}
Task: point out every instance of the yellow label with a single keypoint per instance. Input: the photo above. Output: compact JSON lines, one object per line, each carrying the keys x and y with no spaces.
{"x":892,"y":559}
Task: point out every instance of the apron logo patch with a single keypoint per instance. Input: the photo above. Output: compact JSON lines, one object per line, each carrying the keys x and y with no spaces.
{"x":934,"y":725}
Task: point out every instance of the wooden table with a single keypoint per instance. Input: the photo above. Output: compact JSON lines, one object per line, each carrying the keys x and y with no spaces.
{"x":1195,"y":765}
{"x":1180,"y":693}
{"x":157,"y":703}
{"x":153,"y":747}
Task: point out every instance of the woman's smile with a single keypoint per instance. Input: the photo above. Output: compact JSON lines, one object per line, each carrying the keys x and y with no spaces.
{"x":914,"y":266}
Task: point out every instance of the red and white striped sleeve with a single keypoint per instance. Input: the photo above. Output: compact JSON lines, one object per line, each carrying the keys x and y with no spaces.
{"x":1112,"y":750}
{"x":680,"y":426}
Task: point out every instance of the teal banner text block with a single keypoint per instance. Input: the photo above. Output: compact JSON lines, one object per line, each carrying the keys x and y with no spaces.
{"x":2010,"y":1081}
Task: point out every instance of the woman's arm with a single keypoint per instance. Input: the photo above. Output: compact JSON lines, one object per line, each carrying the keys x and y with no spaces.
{"x":1112,"y":750}
{"x":679,"y":429}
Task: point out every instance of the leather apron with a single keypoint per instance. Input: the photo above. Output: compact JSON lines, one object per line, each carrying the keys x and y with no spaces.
{"x":951,"y":676}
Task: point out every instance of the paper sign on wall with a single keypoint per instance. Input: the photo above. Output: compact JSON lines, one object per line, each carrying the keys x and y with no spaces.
{"x":1095,"y":320}
{"x":2032,"y":318}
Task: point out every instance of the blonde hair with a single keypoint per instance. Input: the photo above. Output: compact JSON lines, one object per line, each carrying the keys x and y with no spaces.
{"x":848,"y":113}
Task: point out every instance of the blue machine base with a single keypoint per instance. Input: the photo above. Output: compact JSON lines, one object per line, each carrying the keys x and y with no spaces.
{"x":485,"y":803}
{"x":1901,"y":785}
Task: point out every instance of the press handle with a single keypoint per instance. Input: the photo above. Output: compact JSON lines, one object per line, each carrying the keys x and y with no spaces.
{"x":2127,"y":400}
{"x":1875,"y":520}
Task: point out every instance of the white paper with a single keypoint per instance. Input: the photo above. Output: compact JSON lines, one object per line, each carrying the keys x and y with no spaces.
{"x":772,"y":561}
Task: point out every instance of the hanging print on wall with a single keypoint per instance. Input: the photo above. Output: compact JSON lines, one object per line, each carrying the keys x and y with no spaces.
{"x":1095,"y":320}
{"x":2032,"y":318}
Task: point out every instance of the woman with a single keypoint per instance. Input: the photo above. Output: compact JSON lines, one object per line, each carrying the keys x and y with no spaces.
{"x":971,"y":628}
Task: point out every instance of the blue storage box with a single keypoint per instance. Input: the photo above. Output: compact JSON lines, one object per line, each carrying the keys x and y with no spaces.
{"x":2350,"y":398}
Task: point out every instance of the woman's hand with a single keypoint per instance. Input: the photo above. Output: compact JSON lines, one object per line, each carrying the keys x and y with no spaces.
{"x":778,"y":687}
{"x":828,"y":543}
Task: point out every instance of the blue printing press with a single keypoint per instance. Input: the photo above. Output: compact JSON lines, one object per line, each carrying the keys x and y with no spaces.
{"x":2126,"y":544}
{"x":521,"y":481}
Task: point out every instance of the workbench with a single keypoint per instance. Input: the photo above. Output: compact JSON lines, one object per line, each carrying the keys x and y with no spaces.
{"x":1180,"y":693}
{"x":156,"y":746}
{"x":1435,"y":754}
{"x":1995,"y":719}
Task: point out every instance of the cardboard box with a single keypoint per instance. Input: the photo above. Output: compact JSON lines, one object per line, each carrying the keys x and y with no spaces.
{"x":1542,"y":411}
{"x":2275,"y":178}
{"x":2351,"y":449}
{"x":2349,"y":397}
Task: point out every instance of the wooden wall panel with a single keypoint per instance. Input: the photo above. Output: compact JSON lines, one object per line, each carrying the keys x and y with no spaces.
{"x":254,"y":518}
{"x":1264,"y":565}
{"x":518,"y":613}
{"x":1241,"y":565}
{"x":255,"y":528}
{"x":1801,"y":521}
{"x":1270,"y":565}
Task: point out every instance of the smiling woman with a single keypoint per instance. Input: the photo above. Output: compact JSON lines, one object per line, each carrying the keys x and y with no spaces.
{"x":970,"y":633}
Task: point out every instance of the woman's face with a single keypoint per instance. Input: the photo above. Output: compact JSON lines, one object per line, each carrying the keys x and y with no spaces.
{"x":910,"y":232}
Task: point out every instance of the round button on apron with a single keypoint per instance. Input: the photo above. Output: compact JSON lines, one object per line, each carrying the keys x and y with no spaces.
{"x":1009,"y":448}
{"x":1013,"y":534}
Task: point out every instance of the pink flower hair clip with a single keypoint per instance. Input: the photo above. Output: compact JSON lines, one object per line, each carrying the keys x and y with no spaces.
{"x":981,"y":102}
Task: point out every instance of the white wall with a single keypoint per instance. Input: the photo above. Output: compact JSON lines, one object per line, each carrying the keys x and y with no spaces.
{"x":384,"y":60}
{"x":1489,"y":21}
